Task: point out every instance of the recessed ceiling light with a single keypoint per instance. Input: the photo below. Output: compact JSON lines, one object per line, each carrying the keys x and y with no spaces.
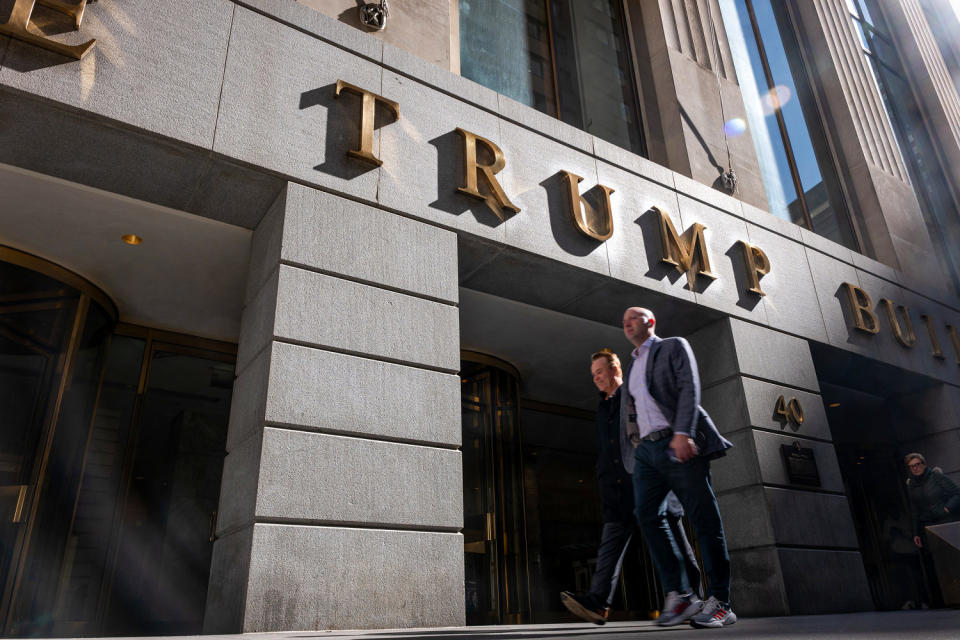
{"x":833,"y":405}
{"x":131,"y":238}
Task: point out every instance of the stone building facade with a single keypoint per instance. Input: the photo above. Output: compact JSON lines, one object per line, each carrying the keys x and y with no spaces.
{"x":390,"y":277}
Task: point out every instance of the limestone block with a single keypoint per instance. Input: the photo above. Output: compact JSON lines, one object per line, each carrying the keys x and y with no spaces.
{"x":739,"y":468}
{"x":791,"y":301}
{"x":726,"y":404}
{"x":425,"y":143}
{"x":715,"y":351}
{"x":826,"y":246}
{"x":705,"y":194}
{"x":533,"y":181}
{"x":333,"y":392}
{"x":240,"y":486}
{"x":314,"y":477}
{"x":774,"y":471}
{"x":227,"y":589}
{"x":266,"y":245}
{"x":278,"y":108}
{"x":324,"y":311}
{"x":545,"y":125}
{"x":828,"y":276}
{"x":761,"y":401}
{"x":50,"y":139}
{"x":728,"y":291}
{"x":258,"y":320}
{"x":770,"y":355}
{"x":634,"y":248}
{"x":763,"y":218}
{"x":914,"y":358}
{"x":233,"y":193}
{"x":324,"y":27}
{"x":151,"y":68}
{"x":811,"y":519}
{"x":746,"y":520}
{"x":414,"y":66}
{"x":249,"y":400}
{"x":317,"y":578}
{"x":756,"y":583}
{"x":344,"y":237}
{"x":820,"y":581}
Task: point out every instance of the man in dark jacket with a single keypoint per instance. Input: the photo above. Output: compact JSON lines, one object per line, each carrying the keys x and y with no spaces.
{"x":934,"y":499}
{"x":616,"y":496}
{"x":672,"y":440}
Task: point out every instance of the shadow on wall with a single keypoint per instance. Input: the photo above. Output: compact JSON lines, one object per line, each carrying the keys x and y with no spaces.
{"x":558,"y":206}
{"x":340,"y":139}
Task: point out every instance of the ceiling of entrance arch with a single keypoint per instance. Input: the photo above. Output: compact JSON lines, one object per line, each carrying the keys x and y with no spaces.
{"x":188,"y":275}
{"x":551,"y":350}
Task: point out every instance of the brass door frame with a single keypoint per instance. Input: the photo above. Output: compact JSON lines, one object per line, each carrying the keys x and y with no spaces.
{"x":155,"y":340}
{"x":500,"y":476}
{"x":61,"y":373}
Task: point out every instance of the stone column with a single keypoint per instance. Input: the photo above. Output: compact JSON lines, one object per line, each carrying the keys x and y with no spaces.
{"x":683,"y":74}
{"x":341,"y":498}
{"x":793,"y":548}
{"x":878,"y":185}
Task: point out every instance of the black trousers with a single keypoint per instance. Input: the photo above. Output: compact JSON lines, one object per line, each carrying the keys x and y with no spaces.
{"x":618,"y":534}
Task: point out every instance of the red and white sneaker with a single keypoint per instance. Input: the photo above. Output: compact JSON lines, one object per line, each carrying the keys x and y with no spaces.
{"x":678,"y":608}
{"x":714,"y":614}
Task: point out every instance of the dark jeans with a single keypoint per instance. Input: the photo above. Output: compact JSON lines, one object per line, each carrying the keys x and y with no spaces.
{"x":617,"y":535}
{"x":653,"y":476}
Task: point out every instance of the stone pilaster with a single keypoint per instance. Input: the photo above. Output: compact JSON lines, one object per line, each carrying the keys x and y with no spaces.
{"x":341,"y":499}
{"x":786,"y":540}
{"x":877,"y":180}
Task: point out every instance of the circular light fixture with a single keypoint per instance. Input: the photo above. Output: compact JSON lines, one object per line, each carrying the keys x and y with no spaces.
{"x":131,"y":238}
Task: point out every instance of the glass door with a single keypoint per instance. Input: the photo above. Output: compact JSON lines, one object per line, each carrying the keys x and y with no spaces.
{"x":495,"y":562}
{"x":54,"y":328}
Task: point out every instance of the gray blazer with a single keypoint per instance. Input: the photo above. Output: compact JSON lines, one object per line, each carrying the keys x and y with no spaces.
{"x":674,"y":383}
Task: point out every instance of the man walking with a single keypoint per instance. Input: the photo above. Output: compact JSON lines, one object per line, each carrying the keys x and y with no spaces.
{"x":616,"y":495}
{"x":672,"y":440}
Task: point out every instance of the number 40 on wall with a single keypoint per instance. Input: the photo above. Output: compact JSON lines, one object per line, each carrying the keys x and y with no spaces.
{"x":790,"y":411}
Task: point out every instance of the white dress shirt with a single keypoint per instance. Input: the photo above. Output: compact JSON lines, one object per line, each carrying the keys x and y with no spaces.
{"x":649,"y":416}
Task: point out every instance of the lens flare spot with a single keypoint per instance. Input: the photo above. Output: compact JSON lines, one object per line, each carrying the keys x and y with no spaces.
{"x":775,"y":99}
{"x":735,"y":127}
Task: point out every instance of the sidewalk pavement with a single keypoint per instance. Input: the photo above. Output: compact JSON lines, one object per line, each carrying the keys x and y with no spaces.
{"x":943,"y":624}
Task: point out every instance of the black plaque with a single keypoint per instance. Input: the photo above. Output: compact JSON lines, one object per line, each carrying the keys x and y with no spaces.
{"x":801,"y":465}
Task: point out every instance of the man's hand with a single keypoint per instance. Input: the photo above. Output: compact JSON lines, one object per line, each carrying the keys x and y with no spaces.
{"x":683,"y":446}
{"x":916,"y":541}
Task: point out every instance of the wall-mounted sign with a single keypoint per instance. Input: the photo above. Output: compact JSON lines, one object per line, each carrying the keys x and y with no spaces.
{"x":801,"y":465}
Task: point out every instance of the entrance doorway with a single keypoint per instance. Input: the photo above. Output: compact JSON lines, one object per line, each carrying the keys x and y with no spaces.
{"x":494,"y":544}
{"x":111,"y":451}
{"x":532,"y":516}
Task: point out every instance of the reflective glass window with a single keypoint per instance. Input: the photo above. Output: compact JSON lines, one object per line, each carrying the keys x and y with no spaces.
{"x":568,"y":58}
{"x":795,"y":162}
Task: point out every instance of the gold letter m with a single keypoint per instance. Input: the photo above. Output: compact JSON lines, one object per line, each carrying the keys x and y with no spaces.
{"x":688,"y":253}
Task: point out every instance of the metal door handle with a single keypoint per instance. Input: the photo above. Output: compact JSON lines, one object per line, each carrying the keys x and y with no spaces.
{"x":20,"y":492}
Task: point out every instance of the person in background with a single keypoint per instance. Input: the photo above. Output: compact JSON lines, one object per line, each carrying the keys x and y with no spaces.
{"x":934,"y":499}
{"x":616,"y":496}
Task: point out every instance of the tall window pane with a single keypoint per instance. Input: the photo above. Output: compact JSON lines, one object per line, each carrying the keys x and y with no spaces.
{"x":567,"y":58}
{"x":795,"y":165}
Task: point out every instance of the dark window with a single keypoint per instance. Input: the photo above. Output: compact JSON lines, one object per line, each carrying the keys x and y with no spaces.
{"x":567,"y":58}
{"x":795,"y":160}
{"x":918,"y":148}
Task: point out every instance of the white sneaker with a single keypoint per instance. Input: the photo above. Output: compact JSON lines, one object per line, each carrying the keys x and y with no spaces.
{"x":714,"y":614}
{"x":678,"y":608}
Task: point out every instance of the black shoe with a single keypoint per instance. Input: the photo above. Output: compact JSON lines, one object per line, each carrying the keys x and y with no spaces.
{"x":585,"y":606}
